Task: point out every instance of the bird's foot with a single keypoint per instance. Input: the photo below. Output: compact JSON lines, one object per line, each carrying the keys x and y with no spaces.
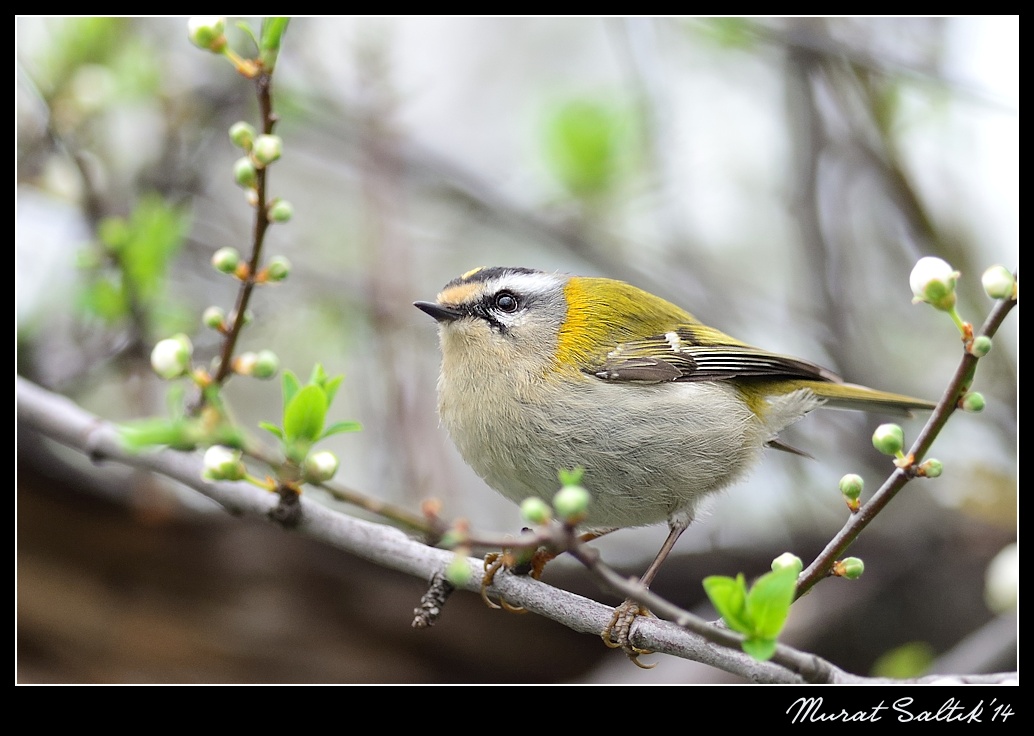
{"x":617,"y":635}
{"x":520,"y":563}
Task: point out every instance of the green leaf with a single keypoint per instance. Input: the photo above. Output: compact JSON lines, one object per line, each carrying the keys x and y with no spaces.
{"x":148,"y":433}
{"x":105,"y":298}
{"x":728,"y":596}
{"x":79,"y":41}
{"x":759,"y":648}
{"x":318,"y":376}
{"x":272,"y":32}
{"x":304,"y":416}
{"x":291,"y":386}
{"x":270,"y":427}
{"x":583,"y":144}
{"x":339,"y":427}
{"x":248,"y":31}
{"x":331,"y":386}
{"x":227,"y":435}
{"x":768,"y":602}
{"x":571,"y":476}
{"x":156,"y":232}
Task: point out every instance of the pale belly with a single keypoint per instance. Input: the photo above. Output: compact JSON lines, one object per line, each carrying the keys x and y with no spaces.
{"x":649,"y":452}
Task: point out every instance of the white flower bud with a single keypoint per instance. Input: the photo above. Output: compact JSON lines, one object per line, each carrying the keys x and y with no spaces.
{"x":214,"y":317}
{"x":267,"y":149}
{"x":242,"y":135}
{"x":170,"y":358}
{"x":998,"y":282}
{"x":222,"y":463}
{"x":788,"y":559}
{"x":933,"y":281}
{"x":1002,"y":580}
{"x":320,"y":466}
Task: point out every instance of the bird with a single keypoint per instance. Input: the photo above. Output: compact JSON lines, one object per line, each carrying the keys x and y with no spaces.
{"x":545,"y":371}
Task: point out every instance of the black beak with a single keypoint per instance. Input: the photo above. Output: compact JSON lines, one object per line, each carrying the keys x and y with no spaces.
{"x":440,"y":313}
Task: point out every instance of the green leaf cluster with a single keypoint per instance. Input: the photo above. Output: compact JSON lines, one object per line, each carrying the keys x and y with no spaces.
{"x":305,"y":413}
{"x":140,"y":250}
{"x":79,"y":41}
{"x":130,"y":70}
{"x":586,"y":143}
{"x":760,"y":613}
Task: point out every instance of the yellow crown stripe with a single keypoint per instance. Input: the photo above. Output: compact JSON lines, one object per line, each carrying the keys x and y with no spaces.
{"x":459,"y":293}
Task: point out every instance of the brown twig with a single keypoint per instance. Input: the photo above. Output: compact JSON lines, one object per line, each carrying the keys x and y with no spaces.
{"x":263,"y":83}
{"x":959,"y":384}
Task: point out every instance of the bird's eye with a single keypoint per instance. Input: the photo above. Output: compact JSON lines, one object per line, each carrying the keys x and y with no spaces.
{"x":506,"y":302}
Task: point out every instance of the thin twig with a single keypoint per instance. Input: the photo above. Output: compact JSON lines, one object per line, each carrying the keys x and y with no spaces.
{"x":959,"y":384}
{"x":263,"y":83}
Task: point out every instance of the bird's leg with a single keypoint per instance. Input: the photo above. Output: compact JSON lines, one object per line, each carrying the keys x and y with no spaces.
{"x":617,"y":635}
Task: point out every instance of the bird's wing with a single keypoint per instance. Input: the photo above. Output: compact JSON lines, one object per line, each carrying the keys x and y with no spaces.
{"x":676,"y":356}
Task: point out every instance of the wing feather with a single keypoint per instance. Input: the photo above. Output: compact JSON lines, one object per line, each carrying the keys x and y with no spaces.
{"x":676,"y":356}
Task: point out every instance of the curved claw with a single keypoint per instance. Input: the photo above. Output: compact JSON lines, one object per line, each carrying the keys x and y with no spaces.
{"x":634,"y":658}
{"x":617,"y":634}
{"x":488,"y":601}
{"x":512,"y":609}
{"x":492,"y":564}
{"x":496,"y":561}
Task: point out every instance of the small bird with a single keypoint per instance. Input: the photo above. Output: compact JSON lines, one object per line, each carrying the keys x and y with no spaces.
{"x":547,"y":371}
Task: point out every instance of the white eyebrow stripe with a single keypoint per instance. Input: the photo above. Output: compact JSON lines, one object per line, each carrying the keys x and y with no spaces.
{"x":527,"y":283}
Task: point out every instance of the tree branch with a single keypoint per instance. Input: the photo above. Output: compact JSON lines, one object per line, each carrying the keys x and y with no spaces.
{"x":63,"y":421}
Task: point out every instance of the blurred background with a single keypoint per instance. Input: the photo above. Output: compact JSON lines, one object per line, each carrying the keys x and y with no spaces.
{"x":776,"y":177}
